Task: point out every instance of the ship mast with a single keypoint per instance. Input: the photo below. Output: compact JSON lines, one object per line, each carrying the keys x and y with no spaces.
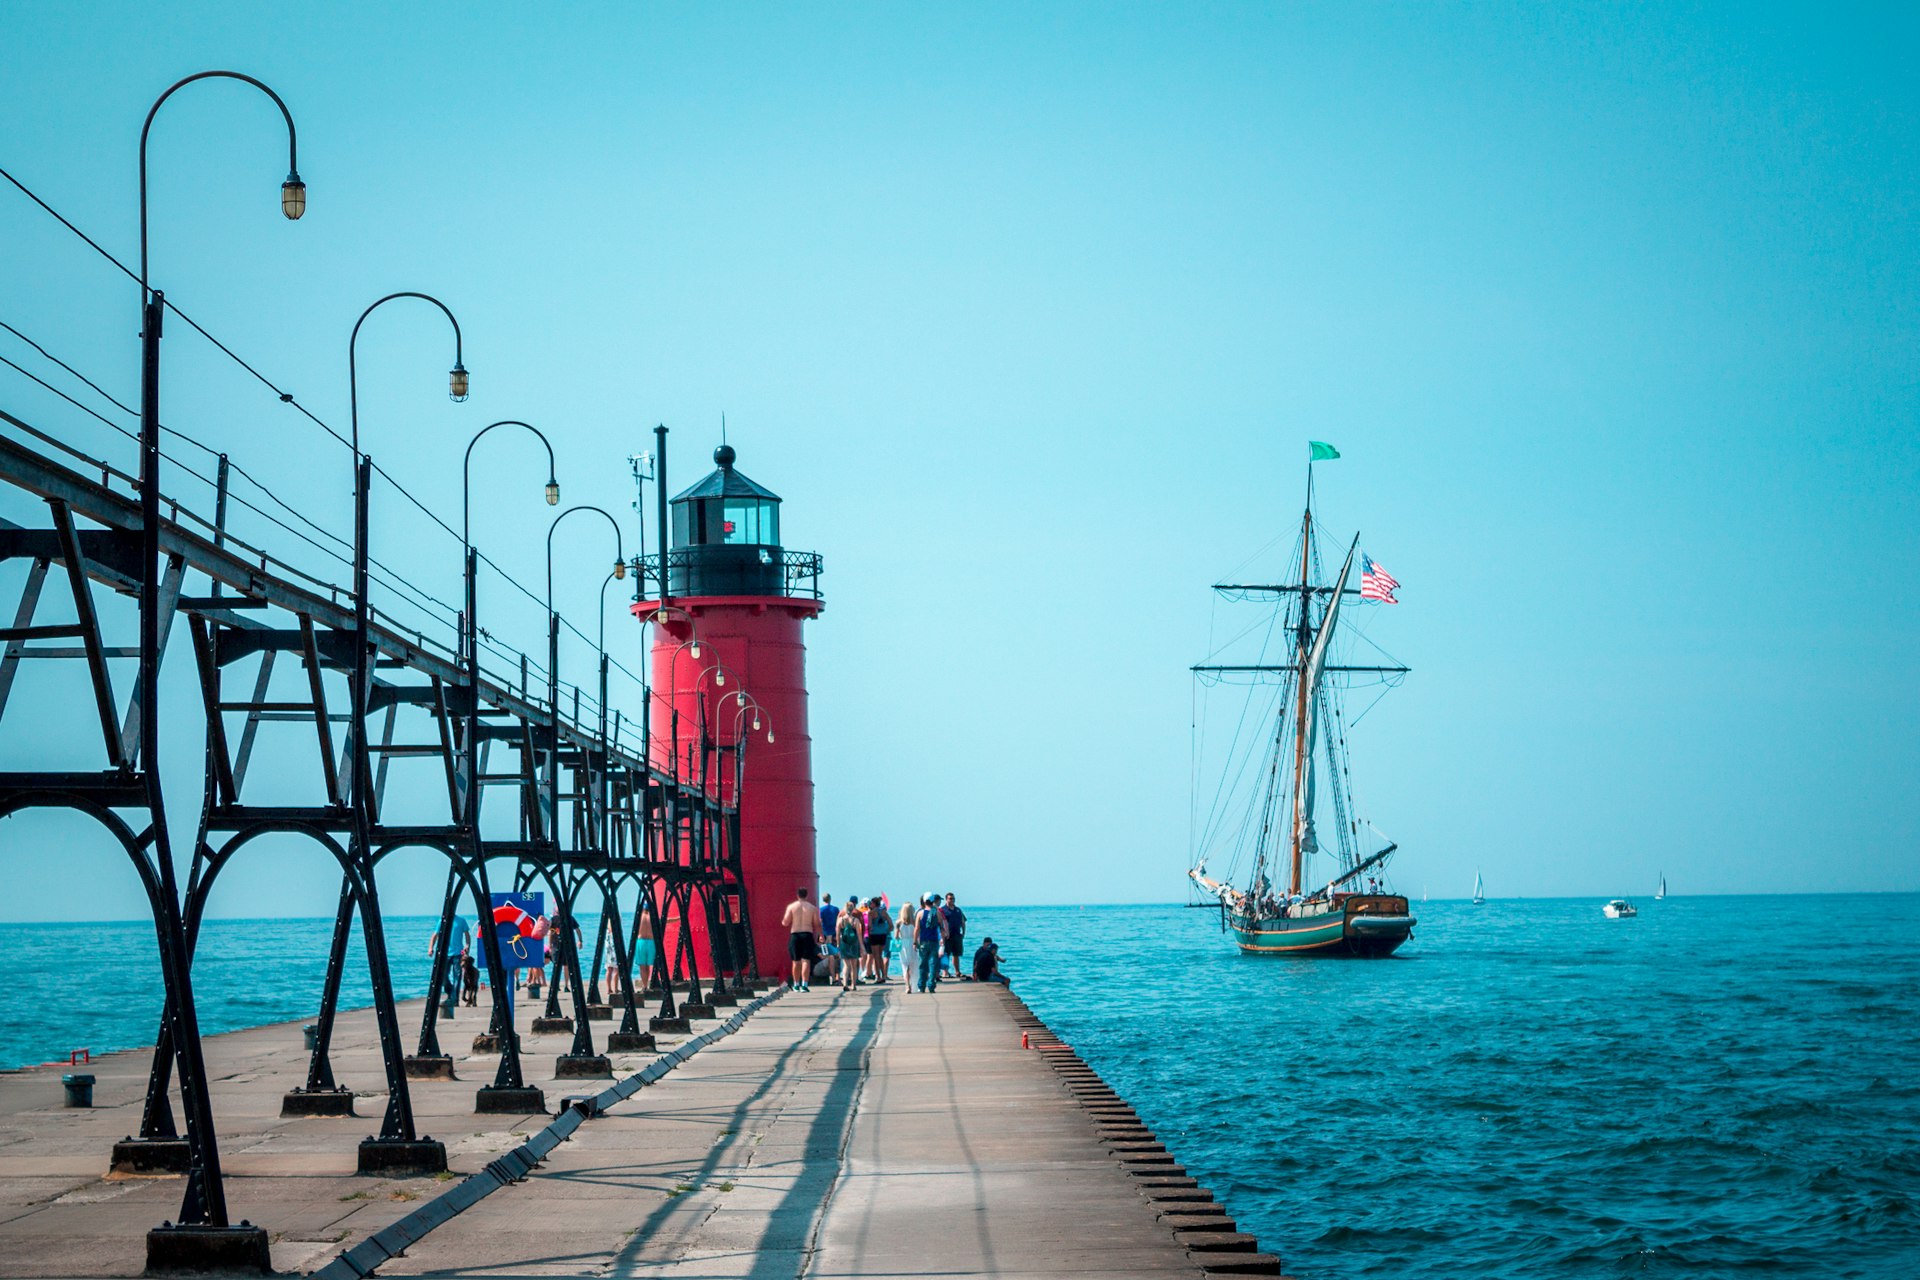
{"x":1303,"y":694}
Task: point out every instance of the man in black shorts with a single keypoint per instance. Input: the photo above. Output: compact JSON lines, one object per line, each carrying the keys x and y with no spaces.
{"x":802,"y":919}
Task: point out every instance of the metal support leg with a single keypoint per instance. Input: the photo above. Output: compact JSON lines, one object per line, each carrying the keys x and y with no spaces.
{"x":322,"y":1095}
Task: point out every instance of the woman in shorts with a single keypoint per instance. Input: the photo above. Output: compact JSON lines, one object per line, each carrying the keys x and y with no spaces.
{"x":879,"y":935}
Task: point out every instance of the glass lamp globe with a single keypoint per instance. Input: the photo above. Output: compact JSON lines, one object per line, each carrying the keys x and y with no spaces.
{"x":293,"y":197}
{"x":457,"y":383}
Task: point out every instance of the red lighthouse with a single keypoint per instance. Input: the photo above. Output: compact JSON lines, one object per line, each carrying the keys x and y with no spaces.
{"x":747,"y":599}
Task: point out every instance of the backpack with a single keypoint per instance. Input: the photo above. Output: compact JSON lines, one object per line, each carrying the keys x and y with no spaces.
{"x":928,"y":926}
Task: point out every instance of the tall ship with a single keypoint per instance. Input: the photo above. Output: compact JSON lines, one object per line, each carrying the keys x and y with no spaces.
{"x":1283,"y":780}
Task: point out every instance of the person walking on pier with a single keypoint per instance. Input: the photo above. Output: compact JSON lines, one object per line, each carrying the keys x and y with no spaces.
{"x":903,"y":938}
{"x":829,"y":933}
{"x":646,"y":951}
{"x":879,"y":941}
{"x":926,"y":942}
{"x":850,"y":945}
{"x":802,"y":919}
{"x":953,"y":932}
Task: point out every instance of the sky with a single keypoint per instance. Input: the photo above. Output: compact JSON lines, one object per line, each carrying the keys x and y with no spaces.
{"x":1028,"y":312}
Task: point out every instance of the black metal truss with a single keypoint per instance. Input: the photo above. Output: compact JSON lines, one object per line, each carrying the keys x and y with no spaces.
{"x":274,"y":653}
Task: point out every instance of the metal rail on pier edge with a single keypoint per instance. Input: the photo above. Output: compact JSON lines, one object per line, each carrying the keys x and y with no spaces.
{"x":621,"y":826}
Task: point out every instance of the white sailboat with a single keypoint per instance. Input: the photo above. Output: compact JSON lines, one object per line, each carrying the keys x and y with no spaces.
{"x":1661,"y":892}
{"x":1479,"y":891}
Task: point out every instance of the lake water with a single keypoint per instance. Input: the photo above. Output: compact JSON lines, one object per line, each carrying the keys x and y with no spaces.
{"x":1723,"y":1086}
{"x":97,"y":986}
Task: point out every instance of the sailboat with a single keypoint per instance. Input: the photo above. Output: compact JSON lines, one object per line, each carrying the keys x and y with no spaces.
{"x":1479,"y":891}
{"x":1661,"y":892}
{"x":1296,"y":897}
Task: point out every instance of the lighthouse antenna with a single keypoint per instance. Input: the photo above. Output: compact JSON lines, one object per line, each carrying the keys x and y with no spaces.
{"x":660,"y":501}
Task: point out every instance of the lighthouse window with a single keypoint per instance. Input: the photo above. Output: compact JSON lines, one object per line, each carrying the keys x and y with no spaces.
{"x":751,"y":523}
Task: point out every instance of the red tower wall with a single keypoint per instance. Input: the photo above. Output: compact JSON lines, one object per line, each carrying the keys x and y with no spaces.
{"x":758,"y":639}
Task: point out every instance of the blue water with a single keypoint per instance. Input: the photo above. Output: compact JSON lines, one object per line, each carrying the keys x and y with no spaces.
{"x":97,"y":986}
{"x":1723,"y":1086}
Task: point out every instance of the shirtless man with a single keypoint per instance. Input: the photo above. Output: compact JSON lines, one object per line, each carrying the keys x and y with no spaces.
{"x":802,"y":919}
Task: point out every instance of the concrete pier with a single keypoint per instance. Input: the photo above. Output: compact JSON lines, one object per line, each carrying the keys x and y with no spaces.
{"x":874,"y":1133}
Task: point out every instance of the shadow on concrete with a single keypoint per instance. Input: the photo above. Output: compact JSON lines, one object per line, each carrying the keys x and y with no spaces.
{"x":786,"y":1243}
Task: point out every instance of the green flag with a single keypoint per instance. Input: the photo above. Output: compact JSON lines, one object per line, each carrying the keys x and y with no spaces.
{"x":1320,"y":451}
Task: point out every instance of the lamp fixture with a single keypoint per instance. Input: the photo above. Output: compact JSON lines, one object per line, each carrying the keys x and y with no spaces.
{"x":457,"y":383}
{"x":293,"y":197}
{"x":619,"y":570}
{"x":553,"y":492}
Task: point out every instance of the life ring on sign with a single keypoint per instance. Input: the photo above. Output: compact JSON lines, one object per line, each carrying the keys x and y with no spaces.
{"x":523,"y":926}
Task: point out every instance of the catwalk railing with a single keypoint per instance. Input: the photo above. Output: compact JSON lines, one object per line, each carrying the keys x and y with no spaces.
{"x":399,"y":746}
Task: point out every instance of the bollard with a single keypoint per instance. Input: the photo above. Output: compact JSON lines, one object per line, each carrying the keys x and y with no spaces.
{"x":79,"y":1090}
{"x":312,"y":1030}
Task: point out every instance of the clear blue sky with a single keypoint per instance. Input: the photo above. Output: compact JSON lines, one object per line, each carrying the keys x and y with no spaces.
{"x":1027,"y":311}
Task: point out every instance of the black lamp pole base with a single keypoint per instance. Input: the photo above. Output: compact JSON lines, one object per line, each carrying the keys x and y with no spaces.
{"x":183,"y":1250}
{"x":317,"y":1102}
{"x":402,"y":1158}
{"x":150,"y":1156}
{"x":582,"y":1066}
{"x":508,"y":1100}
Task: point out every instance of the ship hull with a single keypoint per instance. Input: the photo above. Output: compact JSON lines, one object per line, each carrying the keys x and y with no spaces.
{"x":1361,"y":925}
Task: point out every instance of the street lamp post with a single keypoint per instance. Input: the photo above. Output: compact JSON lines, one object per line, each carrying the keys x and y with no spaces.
{"x":397,"y":1141}
{"x":745,"y":702}
{"x":508,"y":1087}
{"x":582,"y":1036}
{"x":204,"y":1203}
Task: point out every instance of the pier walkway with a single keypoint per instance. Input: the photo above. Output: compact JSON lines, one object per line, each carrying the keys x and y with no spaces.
{"x":832,"y":1135}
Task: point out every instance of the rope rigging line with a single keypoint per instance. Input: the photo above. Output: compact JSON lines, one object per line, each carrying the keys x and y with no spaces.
{"x":388,"y":577}
{"x":284,"y":396}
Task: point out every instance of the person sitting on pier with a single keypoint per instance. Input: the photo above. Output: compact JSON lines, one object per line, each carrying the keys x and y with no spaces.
{"x":802,"y":919}
{"x":986,"y":963}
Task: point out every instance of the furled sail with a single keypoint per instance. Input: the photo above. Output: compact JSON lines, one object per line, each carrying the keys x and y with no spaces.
{"x":1305,"y":841}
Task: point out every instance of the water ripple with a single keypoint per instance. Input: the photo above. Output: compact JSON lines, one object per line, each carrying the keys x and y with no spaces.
{"x":1722,"y":1087}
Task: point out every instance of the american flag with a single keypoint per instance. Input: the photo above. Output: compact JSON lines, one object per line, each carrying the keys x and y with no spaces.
{"x":1376,"y":583}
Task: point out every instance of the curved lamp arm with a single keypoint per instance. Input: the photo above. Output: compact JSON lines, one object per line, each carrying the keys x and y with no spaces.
{"x":620,"y":555}
{"x":293,"y":192}
{"x":748,"y":703}
{"x":456,"y":381}
{"x":466,"y":470}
